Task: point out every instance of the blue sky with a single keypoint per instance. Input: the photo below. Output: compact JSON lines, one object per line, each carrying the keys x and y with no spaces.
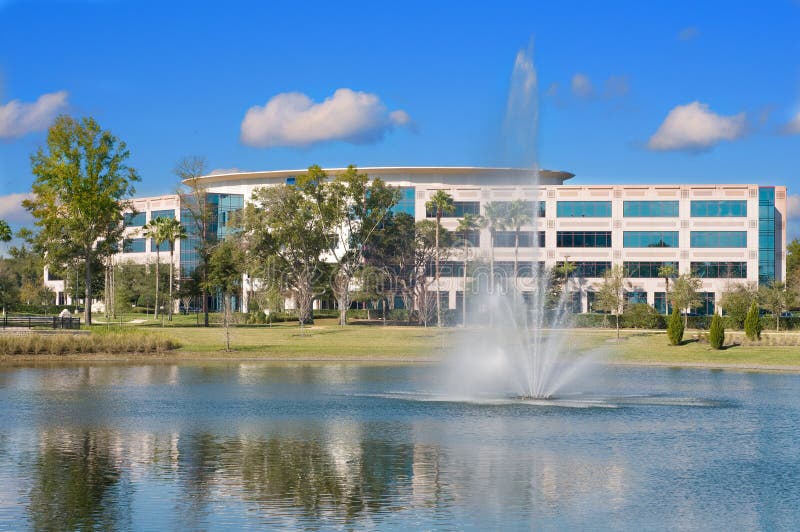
{"x":629,"y":92}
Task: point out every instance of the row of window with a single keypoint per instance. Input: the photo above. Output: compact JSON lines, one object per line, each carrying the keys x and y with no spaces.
{"x":460,"y":208}
{"x":651,"y":239}
{"x":139,"y":219}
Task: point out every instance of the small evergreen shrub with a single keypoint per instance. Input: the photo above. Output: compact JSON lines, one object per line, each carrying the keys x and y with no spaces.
{"x":675,"y":328}
{"x":752,"y":323}
{"x":716,"y":333}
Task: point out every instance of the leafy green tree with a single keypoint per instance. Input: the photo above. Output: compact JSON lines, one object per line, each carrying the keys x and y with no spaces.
{"x":558,"y":282}
{"x":82,"y":180}
{"x":667,"y":272}
{"x":793,"y":265}
{"x":466,"y":226}
{"x":736,"y":301}
{"x":391,"y":248}
{"x":5,"y":231}
{"x":716,"y":333}
{"x":675,"y":327}
{"x":611,"y":294}
{"x":226,"y":267}
{"x":752,"y":323}
{"x":685,"y":295}
{"x":173,"y":231}
{"x":441,"y":203}
{"x":199,"y":217}
{"x":9,"y":289}
{"x":431,"y":240}
{"x":518,"y":215}
{"x":494,"y":219}
{"x":776,"y":298}
{"x":155,"y":230}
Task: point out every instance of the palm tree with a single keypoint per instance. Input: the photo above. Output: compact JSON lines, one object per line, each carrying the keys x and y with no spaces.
{"x":154,"y":229}
{"x":667,"y":271}
{"x":494,"y":219}
{"x":441,"y":203}
{"x":518,"y":214}
{"x":173,"y":231}
{"x":466,"y":225}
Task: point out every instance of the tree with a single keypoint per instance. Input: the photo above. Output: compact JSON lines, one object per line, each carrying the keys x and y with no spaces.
{"x":226,"y":266}
{"x":776,"y":298}
{"x":736,"y":301}
{"x":752,"y":323}
{"x":155,"y":230}
{"x":611,"y":294}
{"x":441,"y":203}
{"x":667,"y":271}
{"x":716,"y":332}
{"x":675,"y":327}
{"x":391,"y":248}
{"x":467,"y":225}
{"x":494,"y":219}
{"x":685,"y":294}
{"x":198,"y":217}
{"x":426,"y":250}
{"x":5,"y":231}
{"x":173,"y":231}
{"x":558,"y":282}
{"x":793,"y":265}
{"x":82,"y":180}
{"x":517,"y":215}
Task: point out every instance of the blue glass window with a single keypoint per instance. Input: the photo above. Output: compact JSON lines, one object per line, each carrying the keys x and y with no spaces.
{"x":583,"y":209}
{"x":719,"y":239}
{"x":635,"y":297}
{"x":531,"y":206}
{"x":650,"y":239}
{"x":766,"y":234}
{"x":714,"y":208}
{"x":167,"y":213}
{"x":134,"y":219}
{"x":589,"y":268}
{"x":650,"y":209}
{"x":719,"y":270}
{"x":473,"y":239}
{"x":706,"y":307}
{"x":133,"y":245}
{"x":640,"y":270}
{"x":163,"y":247}
{"x":507,"y":239}
{"x":661,"y":304}
{"x":583,"y":239}
{"x":407,"y":201}
{"x":460,"y":209}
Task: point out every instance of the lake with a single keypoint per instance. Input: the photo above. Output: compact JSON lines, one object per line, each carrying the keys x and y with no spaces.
{"x":261,"y":445}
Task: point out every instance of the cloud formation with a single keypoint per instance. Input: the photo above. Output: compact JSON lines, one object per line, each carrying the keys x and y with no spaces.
{"x":792,"y":127}
{"x":18,"y":118}
{"x":687,"y":34}
{"x":12,"y":211}
{"x":582,"y":86}
{"x":693,"y":127}
{"x":294,"y":119}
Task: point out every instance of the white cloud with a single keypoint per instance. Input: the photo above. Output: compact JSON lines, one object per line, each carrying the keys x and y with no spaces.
{"x":582,"y":86}
{"x":792,"y":127}
{"x":687,"y":34}
{"x":12,"y":211}
{"x":18,"y":118}
{"x":793,"y":207}
{"x":218,"y":171}
{"x":294,"y":119}
{"x":694,"y":127}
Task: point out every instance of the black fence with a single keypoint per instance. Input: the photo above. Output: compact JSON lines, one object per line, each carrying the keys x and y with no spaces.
{"x":49,"y":322}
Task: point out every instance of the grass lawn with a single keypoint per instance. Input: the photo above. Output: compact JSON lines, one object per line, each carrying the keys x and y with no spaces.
{"x":326,"y":340}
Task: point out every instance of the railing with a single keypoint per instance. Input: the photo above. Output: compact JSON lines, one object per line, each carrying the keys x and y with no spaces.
{"x":51,"y":322}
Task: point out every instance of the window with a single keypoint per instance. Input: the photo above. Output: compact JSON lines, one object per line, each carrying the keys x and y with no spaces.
{"x":163,"y":247}
{"x":505,"y":205}
{"x":407,"y":201}
{"x":719,"y":239}
{"x":473,"y":238}
{"x":583,"y":239}
{"x":460,"y":209}
{"x":706,"y":307}
{"x":134,"y":219}
{"x":650,"y":239}
{"x":589,"y":268}
{"x":632,"y":298}
{"x":650,"y":209}
{"x":167,"y":213}
{"x":506,"y":239}
{"x":714,"y":208}
{"x":719,"y":270}
{"x":639,"y":270}
{"x":133,"y":245}
{"x":766,"y":234}
{"x":661,"y":304}
{"x":583,"y":209}
{"x":447,"y":268}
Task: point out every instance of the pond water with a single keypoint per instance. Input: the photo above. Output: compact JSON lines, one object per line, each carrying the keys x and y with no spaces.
{"x":257,"y":445}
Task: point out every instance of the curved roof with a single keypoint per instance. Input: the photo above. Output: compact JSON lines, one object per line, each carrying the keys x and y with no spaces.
{"x":388,"y":171}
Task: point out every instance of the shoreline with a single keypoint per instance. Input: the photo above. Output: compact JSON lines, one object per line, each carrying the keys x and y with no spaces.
{"x":177,"y":358}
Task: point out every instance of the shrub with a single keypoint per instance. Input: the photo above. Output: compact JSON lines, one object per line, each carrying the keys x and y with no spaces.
{"x":97,"y":342}
{"x":752,"y":323}
{"x":716,"y":333}
{"x":675,"y":327}
{"x":642,"y":316}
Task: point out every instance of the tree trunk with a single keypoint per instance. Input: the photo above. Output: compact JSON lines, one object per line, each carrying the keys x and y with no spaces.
{"x":87,"y":290}
{"x":438,"y":305}
{"x":171,"y":281}
{"x":158,"y":261}
{"x":778,"y":322}
{"x":617,"y":326}
{"x":305,"y":312}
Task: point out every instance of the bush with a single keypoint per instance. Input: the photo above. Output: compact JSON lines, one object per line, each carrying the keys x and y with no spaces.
{"x":675,"y":328}
{"x":716,"y":333}
{"x":642,"y":316}
{"x":591,"y":320}
{"x":752,"y":323}
{"x":97,"y":342}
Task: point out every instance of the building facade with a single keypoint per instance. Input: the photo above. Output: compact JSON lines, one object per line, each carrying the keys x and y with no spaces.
{"x":722,"y":234}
